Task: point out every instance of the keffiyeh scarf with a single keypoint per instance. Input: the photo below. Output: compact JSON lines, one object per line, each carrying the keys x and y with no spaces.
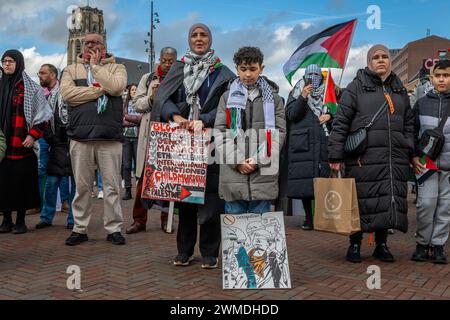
{"x":196,"y":69}
{"x":103,"y":100}
{"x":35,"y":106}
{"x":55,"y":99}
{"x":237,"y":102}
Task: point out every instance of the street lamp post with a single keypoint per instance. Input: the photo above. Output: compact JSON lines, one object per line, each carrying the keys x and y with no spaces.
{"x":154,"y":19}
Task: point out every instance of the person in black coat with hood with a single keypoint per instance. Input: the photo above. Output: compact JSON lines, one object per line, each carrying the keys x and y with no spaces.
{"x":381,"y":171}
{"x":308,"y":128}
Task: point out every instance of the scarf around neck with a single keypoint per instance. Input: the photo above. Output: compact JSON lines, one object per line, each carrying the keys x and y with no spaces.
{"x":55,"y":100}
{"x":236,"y":105}
{"x":196,"y":69}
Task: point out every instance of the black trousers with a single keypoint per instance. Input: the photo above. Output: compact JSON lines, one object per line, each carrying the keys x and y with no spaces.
{"x":210,"y":231}
{"x":380,"y":237}
{"x":129,"y":155}
{"x":307,"y":205}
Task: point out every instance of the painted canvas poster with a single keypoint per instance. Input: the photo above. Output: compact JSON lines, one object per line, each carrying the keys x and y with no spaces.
{"x":176,"y":165}
{"x":254,"y":252}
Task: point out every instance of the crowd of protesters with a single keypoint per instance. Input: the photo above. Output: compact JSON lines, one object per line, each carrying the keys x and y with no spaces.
{"x":66,"y":134}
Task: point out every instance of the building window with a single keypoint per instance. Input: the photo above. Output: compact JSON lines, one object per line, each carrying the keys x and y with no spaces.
{"x":78,"y":47}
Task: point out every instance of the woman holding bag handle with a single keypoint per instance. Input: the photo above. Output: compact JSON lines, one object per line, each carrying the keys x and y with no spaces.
{"x":381,"y":170}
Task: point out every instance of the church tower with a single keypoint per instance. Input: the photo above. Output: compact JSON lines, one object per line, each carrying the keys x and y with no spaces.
{"x":85,"y":20}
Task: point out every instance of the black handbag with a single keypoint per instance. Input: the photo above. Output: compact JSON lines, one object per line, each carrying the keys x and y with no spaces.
{"x":432,"y":140}
{"x":356,"y":142}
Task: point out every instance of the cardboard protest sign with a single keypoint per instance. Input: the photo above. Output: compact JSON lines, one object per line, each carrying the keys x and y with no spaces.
{"x":254,"y":253}
{"x":176,"y":164}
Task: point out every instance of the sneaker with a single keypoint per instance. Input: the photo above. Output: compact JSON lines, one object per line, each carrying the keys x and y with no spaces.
{"x":43,"y":225}
{"x":382,"y":252}
{"x":421,"y":254}
{"x":100,"y":195}
{"x":210,"y":263}
{"x":6,"y":226}
{"x":391,"y":231}
{"x":76,"y":239}
{"x":183,"y":260}
{"x":93,"y":194}
{"x":20,"y":228}
{"x":116,"y":238}
{"x":307,"y":226}
{"x":354,"y":253}
{"x":65,"y":206}
{"x":438,"y":255}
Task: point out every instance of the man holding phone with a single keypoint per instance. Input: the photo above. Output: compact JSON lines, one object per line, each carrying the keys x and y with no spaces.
{"x":93,"y":88}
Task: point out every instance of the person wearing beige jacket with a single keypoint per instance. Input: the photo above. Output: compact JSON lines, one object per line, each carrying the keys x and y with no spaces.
{"x":143,"y":102}
{"x":92,"y":88}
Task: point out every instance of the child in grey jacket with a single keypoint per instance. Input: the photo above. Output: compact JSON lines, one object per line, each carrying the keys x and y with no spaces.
{"x":252,"y":124}
{"x":433,"y":204}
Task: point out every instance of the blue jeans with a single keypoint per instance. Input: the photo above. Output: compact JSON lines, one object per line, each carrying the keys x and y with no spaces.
{"x":64,"y":190}
{"x":242,"y":206}
{"x":99,"y":180}
{"x":51,"y":193}
{"x":42,"y":167}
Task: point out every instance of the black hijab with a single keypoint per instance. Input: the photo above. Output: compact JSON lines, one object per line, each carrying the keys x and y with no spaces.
{"x":7,"y":87}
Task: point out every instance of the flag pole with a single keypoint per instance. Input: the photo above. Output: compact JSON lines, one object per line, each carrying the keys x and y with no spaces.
{"x":324,"y":109}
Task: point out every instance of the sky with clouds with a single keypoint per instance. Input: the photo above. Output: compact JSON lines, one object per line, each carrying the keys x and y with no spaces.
{"x":38,"y":27}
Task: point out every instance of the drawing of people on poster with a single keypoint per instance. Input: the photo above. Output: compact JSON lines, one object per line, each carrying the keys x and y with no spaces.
{"x":254,"y":252}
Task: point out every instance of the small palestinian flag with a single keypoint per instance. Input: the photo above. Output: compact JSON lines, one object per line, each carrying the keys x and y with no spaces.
{"x":430,"y":169}
{"x":327,"y":49}
{"x":330,"y":100}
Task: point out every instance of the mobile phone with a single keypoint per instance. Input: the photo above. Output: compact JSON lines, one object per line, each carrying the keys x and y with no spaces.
{"x":308,"y":81}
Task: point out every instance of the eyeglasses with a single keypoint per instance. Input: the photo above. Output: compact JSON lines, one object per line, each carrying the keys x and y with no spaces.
{"x":7,"y":61}
{"x":86,"y":43}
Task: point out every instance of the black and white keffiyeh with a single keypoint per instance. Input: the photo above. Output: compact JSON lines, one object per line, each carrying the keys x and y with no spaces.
{"x":55,"y":100}
{"x":196,"y":69}
{"x":36,"y":108}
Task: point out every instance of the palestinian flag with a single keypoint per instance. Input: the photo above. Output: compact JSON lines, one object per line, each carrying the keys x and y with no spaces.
{"x":330,"y":100}
{"x":327,"y":49}
{"x":430,"y":169}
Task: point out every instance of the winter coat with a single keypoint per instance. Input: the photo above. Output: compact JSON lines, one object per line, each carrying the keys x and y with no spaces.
{"x":85,"y":124}
{"x":2,"y":146}
{"x":307,"y":149}
{"x":59,"y":163}
{"x":233,"y":185}
{"x":171,"y":99}
{"x":143,"y":105}
{"x":381,"y":172}
{"x":428,"y":110}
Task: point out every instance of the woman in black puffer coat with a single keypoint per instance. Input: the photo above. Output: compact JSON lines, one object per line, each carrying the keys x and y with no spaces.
{"x":308,"y":125}
{"x":381,"y":172}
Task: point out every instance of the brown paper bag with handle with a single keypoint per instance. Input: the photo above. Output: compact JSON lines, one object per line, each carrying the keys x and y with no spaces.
{"x":336,"y":206}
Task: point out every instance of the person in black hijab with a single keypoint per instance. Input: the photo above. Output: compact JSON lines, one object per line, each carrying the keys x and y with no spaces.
{"x":24,"y":114}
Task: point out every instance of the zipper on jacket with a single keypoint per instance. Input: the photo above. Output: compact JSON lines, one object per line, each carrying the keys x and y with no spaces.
{"x":439,"y":120}
{"x":390,"y":166}
{"x":248,"y":152}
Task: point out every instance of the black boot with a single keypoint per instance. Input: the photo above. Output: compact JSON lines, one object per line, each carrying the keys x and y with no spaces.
{"x":127,"y":195}
{"x":438,"y":255}
{"x":20,"y":227}
{"x":421,"y":254}
{"x":354,"y":253}
{"x":7,"y":224}
{"x":382,"y":252}
{"x":308,"y":223}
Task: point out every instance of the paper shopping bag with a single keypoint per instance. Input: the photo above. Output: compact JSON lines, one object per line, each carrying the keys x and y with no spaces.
{"x":336,"y":206}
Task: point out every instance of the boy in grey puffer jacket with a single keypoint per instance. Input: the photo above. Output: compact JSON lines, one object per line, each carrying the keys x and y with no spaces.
{"x":433,"y":205}
{"x":252,"y":121}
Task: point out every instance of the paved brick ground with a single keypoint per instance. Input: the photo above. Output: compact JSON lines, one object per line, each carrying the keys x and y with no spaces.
{"x":33,"y":266}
